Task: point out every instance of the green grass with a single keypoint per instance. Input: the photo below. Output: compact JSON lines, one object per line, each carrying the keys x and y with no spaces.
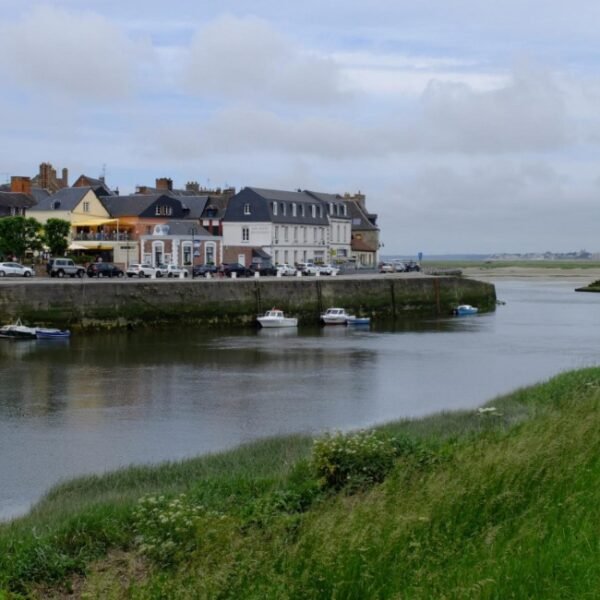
{"x":498,"y":264}
{"x":498,"y":504}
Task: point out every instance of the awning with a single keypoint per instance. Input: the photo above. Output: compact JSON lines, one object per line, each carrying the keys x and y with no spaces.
{"x":93,"y":245}
{"x":93,"y":222}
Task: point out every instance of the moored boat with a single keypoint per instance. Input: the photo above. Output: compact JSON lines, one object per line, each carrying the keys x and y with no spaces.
{"x":42,"y":333}
{"x":276,"y":318}
{"x":465,"y":309}
{"x":356,"y":321}
{"x":336,"y":316}
{"x":17,"y":331}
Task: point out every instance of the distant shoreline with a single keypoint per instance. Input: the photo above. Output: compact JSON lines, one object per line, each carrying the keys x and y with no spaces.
{"x":488,"y":272}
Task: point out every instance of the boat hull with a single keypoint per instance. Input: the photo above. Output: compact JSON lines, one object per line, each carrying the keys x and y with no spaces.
{"x":52,"y":334}
{"x":271,"y":323}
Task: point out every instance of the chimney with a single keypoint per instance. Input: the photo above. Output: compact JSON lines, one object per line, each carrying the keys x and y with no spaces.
{"x":65,"y":177}
{"x":192,"y":186}
{"x":164,"y":184}
{"x":21,"y":185}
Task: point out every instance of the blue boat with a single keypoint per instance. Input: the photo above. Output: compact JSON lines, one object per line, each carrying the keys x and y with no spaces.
{"x":465,"y":309}
{"x":42,"y":333}
{"x":355,"y":321}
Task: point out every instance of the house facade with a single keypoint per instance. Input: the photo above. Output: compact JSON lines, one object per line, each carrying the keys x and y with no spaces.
{"x":288,"y":227}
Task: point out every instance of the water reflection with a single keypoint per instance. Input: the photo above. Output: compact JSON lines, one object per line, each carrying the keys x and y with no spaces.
{"x":108,"y":400}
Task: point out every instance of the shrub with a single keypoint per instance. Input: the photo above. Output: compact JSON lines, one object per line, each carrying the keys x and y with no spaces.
{"x":166,"y":528}
{"x":356,"y":459}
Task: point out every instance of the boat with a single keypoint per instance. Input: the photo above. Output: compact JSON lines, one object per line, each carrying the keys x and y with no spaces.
{"x":276,"y":318}
{"x":336,"y":316}
{"x":17,"y":331}
{"x":465,"y":309}
{"x":358,"y":321}
{"x":42,"y":333}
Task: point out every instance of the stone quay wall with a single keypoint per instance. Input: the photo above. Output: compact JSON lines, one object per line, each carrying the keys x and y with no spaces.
{"x":83,"y":304}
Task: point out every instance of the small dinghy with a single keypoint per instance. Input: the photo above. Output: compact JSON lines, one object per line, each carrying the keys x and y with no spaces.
{"x":42,"y":333}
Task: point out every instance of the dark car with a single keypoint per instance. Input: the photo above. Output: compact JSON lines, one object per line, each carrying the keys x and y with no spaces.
{"x":239,"y":270}
{"x":202,"y":270}
{"x":102,"y":269}
{"x":264,"y":270}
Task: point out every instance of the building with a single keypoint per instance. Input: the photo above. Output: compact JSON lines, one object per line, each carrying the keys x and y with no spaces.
{"x":365,"y":232}
{"x":264,"y":225}
{"x":47,"y":178}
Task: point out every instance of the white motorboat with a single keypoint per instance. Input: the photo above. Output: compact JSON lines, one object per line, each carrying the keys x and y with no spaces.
{"x":465,"y":309}
{"x":17,"y":331}
{"x":336,"y":316}
{"x":276,"y":318}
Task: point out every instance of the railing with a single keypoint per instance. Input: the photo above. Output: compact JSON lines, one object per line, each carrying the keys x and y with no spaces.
{"x":121,"y":236}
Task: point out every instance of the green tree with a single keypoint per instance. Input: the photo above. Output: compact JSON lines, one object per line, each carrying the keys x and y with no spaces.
{"x":19,"y":235}
{"x":56,"y":236}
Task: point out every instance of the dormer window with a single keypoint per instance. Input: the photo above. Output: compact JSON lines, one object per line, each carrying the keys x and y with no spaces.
{"x":56,"y":205}
{"x":293,"y":209}
{"x":275,"y":209}
{"x":345,"y":210}
{"x":246,"y":209}
{"x":163,"y":210}
{"x":331,"y":208}
{"x":313,"y":209}
{"x":283,"y":211}
{"x":302,"y":210}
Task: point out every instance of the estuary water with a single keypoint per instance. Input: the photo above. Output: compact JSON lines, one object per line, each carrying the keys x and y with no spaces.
{"x":105,"y":401}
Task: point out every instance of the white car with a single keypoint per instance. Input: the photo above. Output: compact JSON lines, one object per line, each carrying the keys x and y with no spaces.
{"x":15,"y":269}
{"x":170,"y":271}
{"x":286,"y":269}
{"x":140,"y":270}
{"x":328,"y":270}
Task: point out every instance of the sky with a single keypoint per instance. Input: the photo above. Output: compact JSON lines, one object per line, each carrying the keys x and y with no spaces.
{"x":471,"y":126}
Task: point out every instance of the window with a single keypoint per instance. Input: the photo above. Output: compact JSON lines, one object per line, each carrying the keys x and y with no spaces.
{"x":163,"y":210}
{"x":285,"y":234}
{"x":276,"y":257}
{"x":210,"y":252}
{"x":313,"y":209}
{"x":345,"y":210}
{"x":304,"y":235}
{"x":295,"y":235}
{"x":338,"y":233}
{"x":293,"y":209}
{"x":158,"y":250}
{"x":277,"y":234}
{"x":245,"y":234}
{"x":330,"y":208}
{"x":86,"y":206}
{"x":187,"y":253}
{"x":283,"y":208}
{"x":246,"y":209}
{"x":315,"y":235}
{"x":275,"y":209}
{"x":285,"y":256}
{"x":302,"y":210}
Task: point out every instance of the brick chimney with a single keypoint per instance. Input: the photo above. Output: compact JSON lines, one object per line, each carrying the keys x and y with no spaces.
{"x":65,"y":177}
{"x":21,"y":185}
{"x":192,"y":186}
{"x":164,"y":184}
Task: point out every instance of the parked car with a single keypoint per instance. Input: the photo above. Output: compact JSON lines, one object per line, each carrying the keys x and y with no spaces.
{"x":59,"y":267}
{"x":308,"y":268}
{"x":140,"y":270}
{"x":286,"y":270}
{"x":328,"y":270}
{"x":170,"y":271}
{"x":412,"y":266}
{"x":102,"y":269}
{"x":202,"y":270}
{"x":386,"y":268}
{"x":15,"y":269}
{"x":240,"y":270}
{"x":264,"y":270}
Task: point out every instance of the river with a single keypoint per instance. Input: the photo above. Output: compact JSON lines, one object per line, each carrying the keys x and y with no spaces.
{"x":104,"y":401}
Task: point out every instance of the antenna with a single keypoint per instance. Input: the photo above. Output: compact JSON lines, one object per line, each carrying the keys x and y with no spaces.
{"x":103,"y":176}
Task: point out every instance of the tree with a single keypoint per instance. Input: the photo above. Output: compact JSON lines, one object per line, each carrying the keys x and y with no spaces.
{"x":56,"y":236}
{"x":19,"y":235}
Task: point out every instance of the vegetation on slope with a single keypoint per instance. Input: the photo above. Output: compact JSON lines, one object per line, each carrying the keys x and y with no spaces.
{"x":502,"y":502}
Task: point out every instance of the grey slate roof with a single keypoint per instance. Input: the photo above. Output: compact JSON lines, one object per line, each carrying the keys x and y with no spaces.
{"x":135,"y":205}
{"x":182,"y":228}
{"x":64,"y":199}
{"x":360,"y":218}
{"x":16,"y":200}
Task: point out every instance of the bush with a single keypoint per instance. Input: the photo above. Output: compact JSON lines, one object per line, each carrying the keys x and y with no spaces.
{"x":356,"y":459}
{"x":166,"y":527}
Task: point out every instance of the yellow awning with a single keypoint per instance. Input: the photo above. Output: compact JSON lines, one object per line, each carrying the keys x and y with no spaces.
{"x":93,"y":222}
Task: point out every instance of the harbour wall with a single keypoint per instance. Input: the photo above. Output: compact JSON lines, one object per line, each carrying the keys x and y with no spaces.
{"x":88,"y":304}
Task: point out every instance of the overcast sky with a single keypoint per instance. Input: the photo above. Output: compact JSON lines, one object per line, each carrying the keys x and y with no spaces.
{"x":471,"y":126}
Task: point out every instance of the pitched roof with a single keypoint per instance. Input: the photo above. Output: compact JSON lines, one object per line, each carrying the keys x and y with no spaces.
{"x":16,"y":200}
{"x":128,"y":206}
{"x":64,"y":199}
{"x":282,"y":195}
{"x":360,"y":218}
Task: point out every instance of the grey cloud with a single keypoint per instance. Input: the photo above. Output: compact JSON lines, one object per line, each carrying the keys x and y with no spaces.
{"x":529,"y":114}
{"x":76,"y":54}
{"x":241,"y":58}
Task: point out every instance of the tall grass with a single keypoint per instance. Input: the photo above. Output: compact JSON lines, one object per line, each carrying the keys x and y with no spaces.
{"x":510,"y":508}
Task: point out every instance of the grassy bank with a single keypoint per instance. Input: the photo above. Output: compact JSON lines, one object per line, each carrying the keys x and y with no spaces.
{"x":498,"y":503}
{"x":504,"y":264}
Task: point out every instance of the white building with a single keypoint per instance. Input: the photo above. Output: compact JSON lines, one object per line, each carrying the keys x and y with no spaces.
{"x":262,"y":225}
